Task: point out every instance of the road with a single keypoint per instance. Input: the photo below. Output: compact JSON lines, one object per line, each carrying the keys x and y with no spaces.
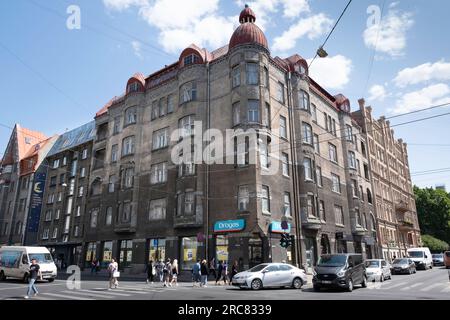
{"x":424,"y":285}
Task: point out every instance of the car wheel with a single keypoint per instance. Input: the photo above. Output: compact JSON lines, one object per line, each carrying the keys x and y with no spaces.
{"x":51,"y":280}
{"x":26,"y":278}
{"x":350,"y":286}
{"x":364,"y":282}
{"x":431,"y":266}
{"x":381,"y":278}
{"x":256,"y":284}
{"x":316,"y":288}
{"x":2,"y":276}
{"x":297,"y":283}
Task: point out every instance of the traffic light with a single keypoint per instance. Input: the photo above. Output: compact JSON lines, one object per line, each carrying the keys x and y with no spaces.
{"x":285,"y":240}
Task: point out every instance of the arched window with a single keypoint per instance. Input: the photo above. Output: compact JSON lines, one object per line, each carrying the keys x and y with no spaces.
{"x":96,"y":187}
{"x":191,"y":59}
{"x":372,"y":220}
{"x":369,"y":196}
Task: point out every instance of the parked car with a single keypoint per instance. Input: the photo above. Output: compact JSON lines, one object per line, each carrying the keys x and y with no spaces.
{"x":421,"y":257}
{"x":378,"y":270}
{"x":403,"y":265}
{"x":447,"y":259}
{"x":339,"y":271}
{"x":15,"y":262}
{"x":438,"y":259}
{"x":270,"y":275}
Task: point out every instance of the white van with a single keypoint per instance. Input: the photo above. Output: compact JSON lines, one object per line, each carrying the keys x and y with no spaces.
{"x":15,"y":262}
{"x":421,"y":257}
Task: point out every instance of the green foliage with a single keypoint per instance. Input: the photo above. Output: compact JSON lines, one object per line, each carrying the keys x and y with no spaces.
{"x":433,"y":212}
{"x":434,"y":244}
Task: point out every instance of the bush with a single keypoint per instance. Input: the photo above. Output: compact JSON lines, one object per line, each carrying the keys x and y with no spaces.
{"x":434,"y":244}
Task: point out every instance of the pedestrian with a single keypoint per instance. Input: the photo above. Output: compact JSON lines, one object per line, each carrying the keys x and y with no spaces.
{"x":204,"y":273}
{"x":212,"y":268}
{"x":219,"y":272}
{"x":93,"y":265}
{"x":97,"y":267}
{"x":113,"y":270}
{"x":174,"y":272}
{"x":159,"y":269}
{"x":150,"y":269}
{"x":166,"y":270}
{"x":196,"y":273}
{"x":234,"y":270}
{"x":35,"y":273}
{"x":225,"y":272}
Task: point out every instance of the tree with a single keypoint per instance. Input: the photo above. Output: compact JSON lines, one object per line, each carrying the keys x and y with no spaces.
{"x":434,"y":244}
{"x":433,"y":212}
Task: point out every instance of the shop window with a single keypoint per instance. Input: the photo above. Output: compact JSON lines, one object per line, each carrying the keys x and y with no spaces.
{"x":157,"y":250}
{"x":189,"y":247}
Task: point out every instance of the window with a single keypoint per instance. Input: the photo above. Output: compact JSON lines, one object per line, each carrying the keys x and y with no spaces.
{"x":191,"y":59}
{"x":285,"y":164}
{"x":338,"y":215}
{"x":186,"y":169}
{"x":111,"y":183}
{"x":265,"y":77}
{"x":361,"y":193}
{"x":358,"y":217}
{"x":130,"y":115}
{"x":59,"y":198}
{"x":266,"y":119}
{"x":322,"y":214}
{"x":55,"y":163}
{"x":57,"y":214}
{"x":73,"y":170}
{"x":80,"y":191}
{"x":96,"y":187}
{"x":128,"y":178}
{"x":94,"y":217}
{"x":64,"y":162}
{"x":243,"y":198}
{"x":126,"y":212}
{"x":158,"y":173}
{"x":265,"y":199}
{"x":189,"y":198}
{"x":116,"y":125}
{"x":319,"y":176}
{"x":363,"y":149}
{"x":236,"y":113}
{"x":69,"y":205}
{"x":314,"y":112}
{"x":366,"y":171}
{"x":109,"y":216}
{"x":48,"y":215}
{"x":252,"y":73}
{"x":236,"y":77}
{"x":336,"y":183}
{"x":133,"y":87}
{"x":241,"y":151}
{"x":170,"y":103}
{"x":53,"y":181}
{"x":67,"y":225}
{"x":283,"y":127}
{"x":253,"y":111}
{"x":160,"y":139}
{"x":83,"y":172}
{"x":348,"y":133}
{"x":55,"y":233}
{"x":45,"y":234}
{"x":332,"y":152}
{"x":334,"y":127}
{"x":287,"y":204}
{"x":358,"y":167}
{"x":78,"y":211}
{"x":351,"y":160}
{"x":188,"y":92}
{"x":76,"y":231}
{"x":186,"y":126}
{"x":155,"y":110}
{"x":280,"y":92}
{"x":84,"y":154}
{"x":157,"y":209}
{"x":264,"y":154}
{"x":307,"y":133}
{"x":51,"y":198}
{"x":369,"y":196}
{"x":354,"y":186}
{"x":307,"y":165}
{"x":162,"y":107}
{"x":114,"y":150}
{"x":311,"y":207}
{"x":128,"y":146}
{"x":316,"y":143}
{"x":303,"y":100}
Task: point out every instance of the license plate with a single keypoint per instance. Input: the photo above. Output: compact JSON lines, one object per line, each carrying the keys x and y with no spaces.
{"x":326,"y":281}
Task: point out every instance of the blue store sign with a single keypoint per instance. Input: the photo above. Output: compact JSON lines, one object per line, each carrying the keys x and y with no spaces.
{"x":275,"y":227}
{"x":229,"y":225}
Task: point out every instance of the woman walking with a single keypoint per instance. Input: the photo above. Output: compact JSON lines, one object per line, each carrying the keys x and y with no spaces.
{"x":166,"y":271}
{"x":204,"y":273}
{"x":151,"y":271}
{"x":212,"y":268}
{"x":174,"y":272}
{"x":225,"y":272}
{"x":113,"y":269}
{"x":234,"y":270}
{"x":219,"y":272}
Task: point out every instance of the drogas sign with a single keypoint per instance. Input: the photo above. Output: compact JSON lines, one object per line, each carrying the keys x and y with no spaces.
{"x":229,"y":225}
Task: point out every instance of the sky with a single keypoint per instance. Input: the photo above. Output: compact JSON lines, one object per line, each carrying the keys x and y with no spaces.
{"x":62,"y":60}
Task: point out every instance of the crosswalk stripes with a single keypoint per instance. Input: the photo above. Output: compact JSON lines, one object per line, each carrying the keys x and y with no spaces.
{"x":412,"y":286}
{"x":126,"y":291}
{"x":106,"y":292}
{"x":88,"y":294}
{"x":391,"y":286}
{"x":64,"y":296}
{"x":428,"y":288}
{"x":446,"y":289}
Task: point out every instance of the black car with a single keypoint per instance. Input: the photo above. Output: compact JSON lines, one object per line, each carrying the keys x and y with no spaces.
{"x":339,"y":271}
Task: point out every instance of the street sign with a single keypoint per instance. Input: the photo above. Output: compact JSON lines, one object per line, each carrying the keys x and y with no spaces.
{"x":284,"y":225}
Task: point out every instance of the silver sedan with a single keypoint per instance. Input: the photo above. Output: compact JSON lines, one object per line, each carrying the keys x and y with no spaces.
{"x":270,"y":275}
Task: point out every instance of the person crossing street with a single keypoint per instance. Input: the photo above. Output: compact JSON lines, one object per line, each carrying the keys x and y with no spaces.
{"x":35,"y":273}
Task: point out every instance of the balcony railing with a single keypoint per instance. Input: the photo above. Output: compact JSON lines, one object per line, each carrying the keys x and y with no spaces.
{"x":188,"y":221}
{"x":401,"y":206}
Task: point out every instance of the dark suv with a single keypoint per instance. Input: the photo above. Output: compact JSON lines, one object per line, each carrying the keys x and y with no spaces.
{"x":339,"y":271}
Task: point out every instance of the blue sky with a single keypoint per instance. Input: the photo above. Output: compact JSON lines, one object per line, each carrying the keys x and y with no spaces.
{"x":54,"y":78}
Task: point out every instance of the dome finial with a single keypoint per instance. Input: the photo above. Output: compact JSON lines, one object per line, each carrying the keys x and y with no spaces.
{"x":247,"y":15}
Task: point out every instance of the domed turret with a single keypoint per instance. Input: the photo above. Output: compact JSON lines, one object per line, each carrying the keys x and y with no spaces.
{"x":248,"y":32}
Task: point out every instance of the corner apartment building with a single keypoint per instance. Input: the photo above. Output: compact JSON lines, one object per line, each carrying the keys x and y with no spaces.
{"x":22,"y":178}
{"x":398,"y":226}
{"x":63,"y":214}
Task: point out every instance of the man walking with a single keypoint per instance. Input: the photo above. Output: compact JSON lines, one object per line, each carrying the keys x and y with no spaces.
{"x":204,"y":273}
{"x":196,"y":275}
{"x":34,"y":274}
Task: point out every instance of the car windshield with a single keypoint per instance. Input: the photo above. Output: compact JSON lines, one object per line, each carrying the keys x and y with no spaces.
{"x":41,"y":257}
{"x":372,"y":264}
{"x":400,"y":261}
{"x":447,"y":253}
{"x":259,"y":267}
{"x":332,"y":261}
{"x":438,"y":255}
{"x":415,"y":254}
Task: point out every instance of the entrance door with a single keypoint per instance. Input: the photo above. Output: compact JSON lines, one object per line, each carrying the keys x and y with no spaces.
{"x":126,"y":253}
{"x":255,"y":251}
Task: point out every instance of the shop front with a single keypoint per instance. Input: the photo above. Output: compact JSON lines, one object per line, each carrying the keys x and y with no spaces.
{"x":278,"y":253}
{"x":156,"y":249}
{"x":189,"y":252}
{"x":125,"y":254}
{"x":91,"y":254}
{"x":107,"y":254}
{"x":225,"y":242}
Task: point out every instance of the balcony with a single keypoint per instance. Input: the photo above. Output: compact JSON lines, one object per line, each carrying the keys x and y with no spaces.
{"x":405,"y":224}
{"x":311,"y":222}
{"x":188,"y":221}
{"x":401,"y":207}
{"x":358,"y":230}
{"x":124,"y":228}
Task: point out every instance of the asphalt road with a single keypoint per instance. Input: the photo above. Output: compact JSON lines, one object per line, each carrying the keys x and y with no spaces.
{"x":424,"y":285}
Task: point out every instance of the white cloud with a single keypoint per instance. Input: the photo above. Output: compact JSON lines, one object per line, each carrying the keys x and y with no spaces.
{"x":137,"y":49}
{"x":331,"y":72}
{"x":377,"y":92}
{"x":120,"y":5}
{"x":425,"y":72}
{"x":389,"y":36}
{"x":293,"y":8}
{"x":423,"y":98}
{"x":311,"y":27}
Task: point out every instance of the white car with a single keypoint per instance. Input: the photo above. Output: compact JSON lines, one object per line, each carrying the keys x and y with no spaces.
{"x":270,"y":275}
{"x":378,"y":270}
